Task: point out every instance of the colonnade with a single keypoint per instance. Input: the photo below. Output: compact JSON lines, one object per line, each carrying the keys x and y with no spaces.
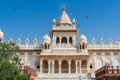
{"x":63,"y":66}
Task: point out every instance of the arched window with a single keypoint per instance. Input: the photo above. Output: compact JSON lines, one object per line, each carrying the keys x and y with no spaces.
{"x":80,"y":46}
{"x":45,"y":46}
{"x":84,"y":64}
{"x":45,"y":66}
{"x":70,"y":40}
{"x":64,"y":66}
{"x":48,"y":46}
{"x":56,"y":66}
{"x":64,"y":40}
{"x":73,"y":66}
{"x":83,"y":46}
{"x":57,"y":40}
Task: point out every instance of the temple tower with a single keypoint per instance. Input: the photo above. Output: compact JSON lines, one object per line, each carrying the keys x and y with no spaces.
{"x":64,"y":31}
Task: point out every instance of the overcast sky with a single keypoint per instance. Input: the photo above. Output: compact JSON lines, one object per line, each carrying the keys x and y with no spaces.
{"x":33,"y":18}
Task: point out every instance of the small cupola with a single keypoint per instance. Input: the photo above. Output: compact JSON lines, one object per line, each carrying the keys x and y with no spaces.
{"x":82,"y":45}
{"x":46,"y":39}
{"x":73,"y":21}
{"x":45,"y":46}
{"x":83,"y":39}
{"x":54,"y":21}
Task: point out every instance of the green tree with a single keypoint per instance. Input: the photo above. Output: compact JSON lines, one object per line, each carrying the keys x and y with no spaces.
{"x":10,"y":63}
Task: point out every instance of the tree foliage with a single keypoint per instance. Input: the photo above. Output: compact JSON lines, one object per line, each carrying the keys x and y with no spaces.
{"x":10,"y":63}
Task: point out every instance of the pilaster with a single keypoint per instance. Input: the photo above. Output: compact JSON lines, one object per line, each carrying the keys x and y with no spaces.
{"x":69,"y":66}
{"x":59,"y":66}
{"x":80,"y":65}
{"x":41,"y":65}
{"x":53,"y":66}
{"x":103,"y":59}
{"x":76,"y":66}
{"x":49,"y":66}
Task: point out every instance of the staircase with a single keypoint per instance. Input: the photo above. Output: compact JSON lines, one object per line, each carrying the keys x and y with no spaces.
{"x":62,"y":77}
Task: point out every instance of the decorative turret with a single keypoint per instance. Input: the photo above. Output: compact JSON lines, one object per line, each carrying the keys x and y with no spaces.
{"x":1,"y":36}
{"x":45,"y":46}
{"x":74,"y":23}
{"x":93,"y":41}
{"x":27,"y":41}
{"x":101,"y":41}
{"x":35,"y":41}
{"x":110,"y":41}
{"x":11,"y":40}
{"x":82,"y":45}
{"x":19,"y":41}
{"x":118,"y":41}
{"x":54,"y":22}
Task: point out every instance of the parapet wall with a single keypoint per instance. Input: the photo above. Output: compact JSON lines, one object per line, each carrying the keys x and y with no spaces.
{"x":93,"y":45}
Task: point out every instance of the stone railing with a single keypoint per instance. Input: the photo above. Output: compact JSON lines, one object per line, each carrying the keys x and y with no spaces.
{"x":93,"y":45}
{"x":29,"y":47}
{"x":103,"y":46}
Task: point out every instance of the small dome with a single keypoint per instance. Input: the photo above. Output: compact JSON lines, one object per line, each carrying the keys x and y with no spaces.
{"x":1,"y":33}
{"x":46,"y":39}
{"x":83,"y":38}
{"x":107,"y":62}
{"x":73,"y":20}
{"x":54,"y":20}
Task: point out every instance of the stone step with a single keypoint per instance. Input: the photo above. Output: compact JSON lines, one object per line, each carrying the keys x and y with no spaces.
{"x":62,"y":77}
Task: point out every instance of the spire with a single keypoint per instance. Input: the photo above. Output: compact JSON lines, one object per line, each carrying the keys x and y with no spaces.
{"x":63,"y":8}
{"x":64,"y":18}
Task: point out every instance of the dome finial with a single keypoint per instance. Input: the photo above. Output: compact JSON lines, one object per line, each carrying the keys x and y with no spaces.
{"x":46,"y":34}
{"x":63,"y":8}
